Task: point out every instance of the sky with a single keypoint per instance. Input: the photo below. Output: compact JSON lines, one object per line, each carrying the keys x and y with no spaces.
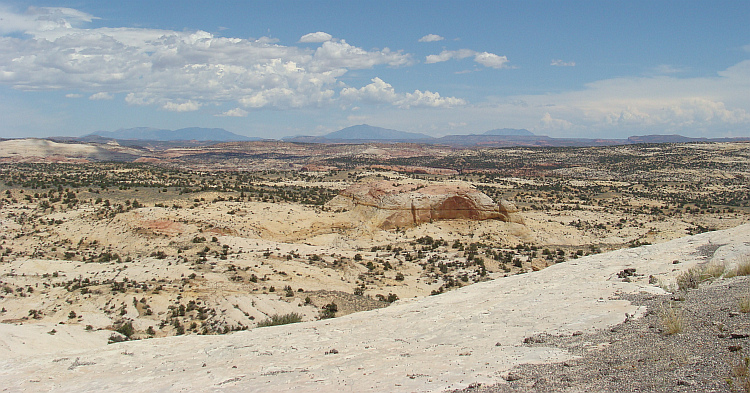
{"x":581,"y":69}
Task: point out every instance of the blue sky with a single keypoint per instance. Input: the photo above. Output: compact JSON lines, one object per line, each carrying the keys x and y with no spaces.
{"x":271,"y":69}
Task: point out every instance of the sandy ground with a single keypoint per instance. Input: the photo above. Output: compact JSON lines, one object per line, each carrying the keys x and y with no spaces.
{"x":471,"y":335}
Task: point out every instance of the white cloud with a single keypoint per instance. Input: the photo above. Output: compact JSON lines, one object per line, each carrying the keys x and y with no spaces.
{"x":450,"y":54}
{"x":101,"y":96}
{"x":560,"y":63}
{"x":548,"y":123}
{"x":712,"y":106}
{"x":236,"y":112}
{"x":649,"y":104}
{"x":377,"y":91}
{"x":431,"y":38}
{"x":176,"y":70}
{"x":188,"y":106}
{"x":338,"y":55}
{"x":316,"y":37}
{"x":73,"y":95}
{"x":484,"y":58}
{"x":41,"y":19}
{"x":382,"y":92}
{"x":491,"y":60}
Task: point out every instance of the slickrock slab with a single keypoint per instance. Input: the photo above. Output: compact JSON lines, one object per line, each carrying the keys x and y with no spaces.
{"x":474,"y":334}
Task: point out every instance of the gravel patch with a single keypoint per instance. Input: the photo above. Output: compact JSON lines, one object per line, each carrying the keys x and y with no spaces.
{"x":640,"y":356}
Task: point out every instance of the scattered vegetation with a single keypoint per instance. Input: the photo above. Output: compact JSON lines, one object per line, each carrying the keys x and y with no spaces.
{"x":284,"y":319}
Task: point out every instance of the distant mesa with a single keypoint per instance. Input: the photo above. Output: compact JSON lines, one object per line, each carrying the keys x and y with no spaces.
{"x":364,"y":133}
{"x":390,"y":205}
{"x":664,"y":139}
{"x":183,"y":134}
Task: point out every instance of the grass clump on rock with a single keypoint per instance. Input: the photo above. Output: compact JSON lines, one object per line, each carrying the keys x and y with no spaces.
{"x":285,"y":319}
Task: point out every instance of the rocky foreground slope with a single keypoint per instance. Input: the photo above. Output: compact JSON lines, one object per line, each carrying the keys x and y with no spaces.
{"x":472,"y":335}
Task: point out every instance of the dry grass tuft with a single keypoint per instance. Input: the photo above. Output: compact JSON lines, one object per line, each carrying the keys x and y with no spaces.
{"x":712,"y":271}
{"x":740,"y":376}
{"x":672,"y":319}
{"x":744,"y":304}
{"x":743,"y":266}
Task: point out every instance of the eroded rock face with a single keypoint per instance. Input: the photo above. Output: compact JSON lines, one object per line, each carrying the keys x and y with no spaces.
{"x":395,"y":205}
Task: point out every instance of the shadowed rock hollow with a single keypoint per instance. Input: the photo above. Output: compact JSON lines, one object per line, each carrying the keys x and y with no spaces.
{"x":389,"y":205}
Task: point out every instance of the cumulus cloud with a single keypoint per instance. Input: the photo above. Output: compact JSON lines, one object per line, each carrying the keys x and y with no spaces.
{"x":560,"y":63}
{"x":431,"y":38}
{"x":176,"y":70}
{"x":188,"y":106}
{"x":548,"y":123}
{"x":484,"y":58}
{"x":73,"y":95}
{"x":101,"y":96}
{"x":316,"y":37}
{"x":338,"y":55}
{"x":380,"y":91}
{"x":490,"y":60}
{"x":236,"y":112}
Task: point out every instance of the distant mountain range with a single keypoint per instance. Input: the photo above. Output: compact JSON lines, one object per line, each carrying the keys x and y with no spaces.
{"x":364,"y":133}
{"x":183,"y":134}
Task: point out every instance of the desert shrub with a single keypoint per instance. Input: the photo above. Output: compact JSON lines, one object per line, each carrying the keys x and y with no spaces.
{"x":672,"y":319}
{"x":281,"y":319}
{"x":329,"y":311}
{"x":689,"y":279}
{"x":126,"y":329}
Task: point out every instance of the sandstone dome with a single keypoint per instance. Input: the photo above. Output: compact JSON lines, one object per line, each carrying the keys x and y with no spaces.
{"x":388,"y":204}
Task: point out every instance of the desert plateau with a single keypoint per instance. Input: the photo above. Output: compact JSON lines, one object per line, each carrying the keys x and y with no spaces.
{"x":392,"y":267}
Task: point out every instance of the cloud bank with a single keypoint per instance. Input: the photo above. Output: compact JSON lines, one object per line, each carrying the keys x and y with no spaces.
{"x":181,"y":71}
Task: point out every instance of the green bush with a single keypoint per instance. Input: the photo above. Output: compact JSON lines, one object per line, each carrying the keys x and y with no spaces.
{"x":281,"y":319}
{"x":126,"y":329}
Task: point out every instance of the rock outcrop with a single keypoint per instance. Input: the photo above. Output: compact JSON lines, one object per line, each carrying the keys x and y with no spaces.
{"x":391,"y":205}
